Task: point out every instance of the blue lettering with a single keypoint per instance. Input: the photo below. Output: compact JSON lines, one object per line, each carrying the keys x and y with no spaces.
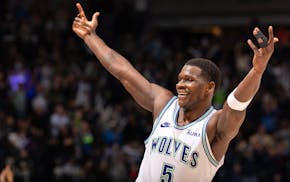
{"x":177,"y":145}
{"x":154,"y":144}
{"x":168,"y":147}
{"x":193,"y":162}
{"x":185,"y":153}
{"x":162,"y":144}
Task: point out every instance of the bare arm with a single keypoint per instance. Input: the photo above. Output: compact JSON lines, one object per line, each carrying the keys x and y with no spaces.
{"x":150,"y":96}
{"x":229,"y":121}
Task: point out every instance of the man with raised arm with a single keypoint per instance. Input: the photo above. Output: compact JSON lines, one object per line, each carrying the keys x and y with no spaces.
{"x":189,"y":137}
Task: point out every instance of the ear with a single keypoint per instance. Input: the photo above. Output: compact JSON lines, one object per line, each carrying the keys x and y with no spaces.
{"x":210,"y":87}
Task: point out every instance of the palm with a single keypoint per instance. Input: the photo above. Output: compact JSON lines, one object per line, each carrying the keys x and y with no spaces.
{"x":262,"y":57}
{"x":79,"y":31}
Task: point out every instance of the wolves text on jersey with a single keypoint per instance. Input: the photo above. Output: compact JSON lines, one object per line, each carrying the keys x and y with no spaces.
{"x":176,"y":149}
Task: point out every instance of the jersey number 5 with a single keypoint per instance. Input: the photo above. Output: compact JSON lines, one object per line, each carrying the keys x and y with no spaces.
{"x":167,"y":173}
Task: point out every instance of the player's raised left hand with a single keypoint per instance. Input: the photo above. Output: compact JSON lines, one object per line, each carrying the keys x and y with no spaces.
{"x":263,"y":54}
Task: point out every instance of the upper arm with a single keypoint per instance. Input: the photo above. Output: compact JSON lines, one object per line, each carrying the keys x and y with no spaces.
{"x":230,"y":121}
{"x":222,"y":128}
{"x":148,"y":95}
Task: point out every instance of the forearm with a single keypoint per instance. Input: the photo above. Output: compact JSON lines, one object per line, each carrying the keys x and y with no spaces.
{"x":138,"y":86}
{"x":249,"y":86}
{"x":115,"y":63}
{"x":234,"y":111}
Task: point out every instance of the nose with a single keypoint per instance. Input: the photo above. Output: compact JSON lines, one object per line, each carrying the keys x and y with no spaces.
{"x":180,"y":84}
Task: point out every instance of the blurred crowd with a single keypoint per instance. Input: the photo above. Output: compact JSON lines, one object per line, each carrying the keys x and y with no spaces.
{"x":65,"y":118}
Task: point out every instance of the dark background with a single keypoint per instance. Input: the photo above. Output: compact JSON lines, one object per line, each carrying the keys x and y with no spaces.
{"x":64,"y":118}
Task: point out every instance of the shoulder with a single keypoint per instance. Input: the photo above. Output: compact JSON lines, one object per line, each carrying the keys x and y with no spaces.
{"x":212,"y":125}
{"x":162,"y":97}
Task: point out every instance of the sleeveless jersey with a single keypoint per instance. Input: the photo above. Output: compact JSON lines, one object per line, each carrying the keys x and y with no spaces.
{"x":178,"y":153}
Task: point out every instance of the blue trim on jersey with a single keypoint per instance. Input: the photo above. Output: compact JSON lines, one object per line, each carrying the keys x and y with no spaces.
{"x":160,"y":116}
{"x":192,"y":123}
{"x":206,"y":148}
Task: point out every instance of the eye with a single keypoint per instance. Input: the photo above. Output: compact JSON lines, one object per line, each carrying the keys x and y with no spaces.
{"x":190,"y":79}
{"x":186,"y":79}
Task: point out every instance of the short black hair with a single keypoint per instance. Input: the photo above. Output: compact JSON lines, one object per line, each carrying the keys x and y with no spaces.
{"x":210,"y":71}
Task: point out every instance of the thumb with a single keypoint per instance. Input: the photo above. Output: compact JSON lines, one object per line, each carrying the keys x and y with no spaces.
{"x":95,"y":16}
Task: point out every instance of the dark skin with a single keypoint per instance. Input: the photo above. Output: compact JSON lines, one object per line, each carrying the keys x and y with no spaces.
{"x":195,"y":93}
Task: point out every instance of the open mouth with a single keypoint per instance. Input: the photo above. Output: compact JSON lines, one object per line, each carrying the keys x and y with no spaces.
{"x":182,"y":95}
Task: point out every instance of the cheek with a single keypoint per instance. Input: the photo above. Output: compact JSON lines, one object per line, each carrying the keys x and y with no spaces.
{"x":195,"y":86}
{"x":201,"y":91}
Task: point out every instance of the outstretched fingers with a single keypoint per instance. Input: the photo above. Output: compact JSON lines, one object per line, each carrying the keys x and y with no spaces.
{"x":272,"y":39}
{"x":252,"y":46}
{"x":271,"y":35}
{"x":266,"y":44}
{"x":260,"y":37}
{"x":95,"y":16}
{"x":81,"y":11}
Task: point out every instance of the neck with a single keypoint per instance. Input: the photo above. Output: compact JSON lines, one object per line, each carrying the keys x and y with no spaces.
{"x":186,"y":116}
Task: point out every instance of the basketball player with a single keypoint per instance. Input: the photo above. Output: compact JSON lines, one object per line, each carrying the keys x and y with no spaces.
{"x":189,"y":138}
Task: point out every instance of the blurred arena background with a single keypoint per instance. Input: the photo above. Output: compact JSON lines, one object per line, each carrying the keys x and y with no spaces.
{"x":64,"y":118}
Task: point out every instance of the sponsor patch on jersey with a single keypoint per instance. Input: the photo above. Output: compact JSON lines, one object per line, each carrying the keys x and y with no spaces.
{"x":193,"y":133}
{"x":165,"y":124}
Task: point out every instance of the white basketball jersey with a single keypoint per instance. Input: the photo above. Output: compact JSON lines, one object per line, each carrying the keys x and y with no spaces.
{"x":178,"y":153}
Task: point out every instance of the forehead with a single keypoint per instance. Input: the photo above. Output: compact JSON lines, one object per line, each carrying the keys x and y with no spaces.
{"x":190,"y":71}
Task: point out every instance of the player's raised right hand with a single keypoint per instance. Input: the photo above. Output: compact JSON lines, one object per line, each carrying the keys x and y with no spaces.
{"x":81,"y":25}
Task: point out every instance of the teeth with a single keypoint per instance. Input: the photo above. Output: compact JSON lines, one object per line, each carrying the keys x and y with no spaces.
{"x":182,"y":94}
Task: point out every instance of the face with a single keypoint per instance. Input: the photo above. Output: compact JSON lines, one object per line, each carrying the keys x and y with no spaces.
{"x":192,"y":88}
